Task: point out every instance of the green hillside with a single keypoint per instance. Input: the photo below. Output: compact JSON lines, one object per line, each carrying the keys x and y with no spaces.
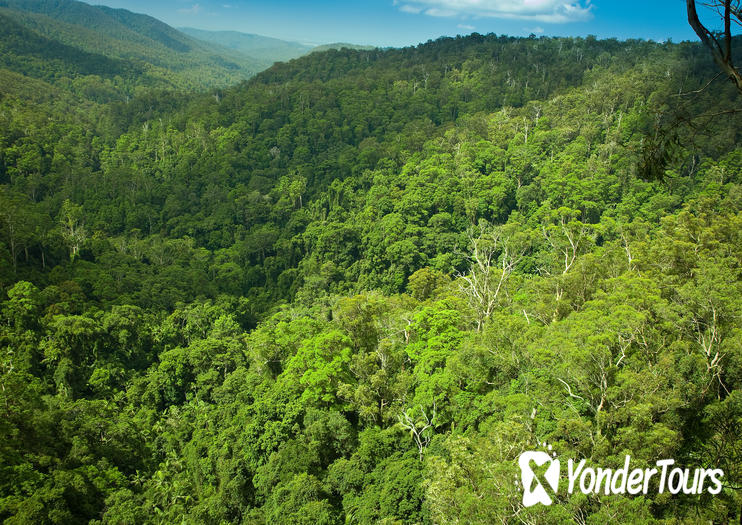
{"x":34,"y":55}
{"x":356,"y":287}
{"x":170,"y":58}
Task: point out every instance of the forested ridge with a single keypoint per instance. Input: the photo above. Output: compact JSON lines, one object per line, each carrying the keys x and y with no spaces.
{"x":113,"y":54}
{"x":354,"y":288}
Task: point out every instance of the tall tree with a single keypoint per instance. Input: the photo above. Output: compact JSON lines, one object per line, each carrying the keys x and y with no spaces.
{"x":719,"y":42}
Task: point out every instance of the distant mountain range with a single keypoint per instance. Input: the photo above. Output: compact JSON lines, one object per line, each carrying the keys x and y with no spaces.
{"x":259,"y":47}
{"x":53,"y":40}
{"x":263,"y":47}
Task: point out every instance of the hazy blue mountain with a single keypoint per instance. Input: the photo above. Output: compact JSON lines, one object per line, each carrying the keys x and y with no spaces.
{"x":256,"y":46}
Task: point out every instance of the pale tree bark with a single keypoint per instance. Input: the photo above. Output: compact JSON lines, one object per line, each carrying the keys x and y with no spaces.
{"x":566,"y":239}
{"x":709,"y":338}
{"x":72,"y":227}
{"x":494,"y":255}
{"x":419,"y":429}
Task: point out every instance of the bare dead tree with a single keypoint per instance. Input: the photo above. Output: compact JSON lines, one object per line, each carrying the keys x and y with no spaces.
{"x":495,"y":252}
{"x":709,"y":337}
{"x":421,"y":430}
{"x":567,"y":237}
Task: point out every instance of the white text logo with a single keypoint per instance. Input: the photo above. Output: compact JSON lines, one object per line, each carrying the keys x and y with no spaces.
{"x":540,"y":473}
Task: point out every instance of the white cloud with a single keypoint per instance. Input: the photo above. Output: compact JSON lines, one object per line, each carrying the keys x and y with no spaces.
{"x":193,"y":10}
{"x":547,"y":11}
{"x":466,"y":27}
{"x":535,"y":30}
{"x":436,"y":11}
{"x":410,"y":9}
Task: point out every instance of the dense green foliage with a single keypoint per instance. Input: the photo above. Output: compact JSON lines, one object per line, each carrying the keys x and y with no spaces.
{"x":354,"y":288}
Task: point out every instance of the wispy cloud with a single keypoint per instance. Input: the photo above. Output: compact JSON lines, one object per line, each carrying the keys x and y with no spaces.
{"x":406,"y":8}
{"x":193,"y":10}
{"x":546,"y":11}
{"x":442,"y":12}
{"x":466,"y":27}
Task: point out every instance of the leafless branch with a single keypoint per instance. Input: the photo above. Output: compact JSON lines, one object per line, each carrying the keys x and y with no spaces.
{"x":721,"y":50}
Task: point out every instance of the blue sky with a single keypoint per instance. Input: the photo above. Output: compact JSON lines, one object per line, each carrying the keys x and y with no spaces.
{"x":408,"y":22}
